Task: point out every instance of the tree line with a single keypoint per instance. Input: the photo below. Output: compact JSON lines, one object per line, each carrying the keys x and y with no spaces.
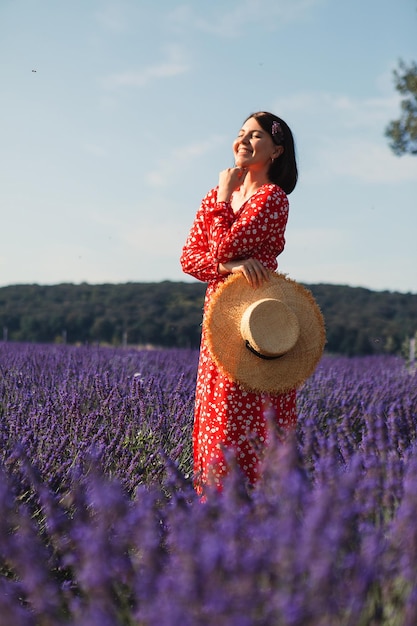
{"x":359,"y":321}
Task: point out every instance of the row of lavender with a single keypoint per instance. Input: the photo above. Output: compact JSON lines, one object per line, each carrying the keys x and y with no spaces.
{"x":99,"y":522}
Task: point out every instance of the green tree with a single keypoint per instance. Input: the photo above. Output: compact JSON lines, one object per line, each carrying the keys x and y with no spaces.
{"x":402,"y":133}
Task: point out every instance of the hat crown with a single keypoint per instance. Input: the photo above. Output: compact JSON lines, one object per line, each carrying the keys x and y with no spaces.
{"x":237,"y":339}
{"x":270,"y":327}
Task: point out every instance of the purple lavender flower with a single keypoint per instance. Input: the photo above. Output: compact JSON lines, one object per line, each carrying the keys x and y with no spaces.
{"x":100,"y":524}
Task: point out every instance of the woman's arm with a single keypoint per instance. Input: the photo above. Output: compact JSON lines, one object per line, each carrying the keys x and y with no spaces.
{"x":196,"y":258}
{"x":221,"y":243}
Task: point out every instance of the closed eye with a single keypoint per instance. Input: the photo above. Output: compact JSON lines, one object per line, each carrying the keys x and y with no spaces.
{"x":255,"y":134}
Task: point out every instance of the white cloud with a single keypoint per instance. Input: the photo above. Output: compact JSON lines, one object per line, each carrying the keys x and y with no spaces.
{"x":324,"y":109}
{"x":232,"y":22}
{"x":361,"y":149}
{"x":112,"y":17}
{"x":364,"y":160}
{"x":178,"y":159}
{"x":362,"y":113}
{"x":173,"y":65}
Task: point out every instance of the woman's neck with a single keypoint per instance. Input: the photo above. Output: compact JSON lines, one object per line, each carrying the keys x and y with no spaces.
{"x":252,"y":182}
{"x":247,"y":189}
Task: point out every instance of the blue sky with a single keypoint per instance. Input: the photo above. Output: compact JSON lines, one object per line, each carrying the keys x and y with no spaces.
{"x":109,"y":146}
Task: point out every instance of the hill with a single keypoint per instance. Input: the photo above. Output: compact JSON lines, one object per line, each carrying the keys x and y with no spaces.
{"x":359,"y":321}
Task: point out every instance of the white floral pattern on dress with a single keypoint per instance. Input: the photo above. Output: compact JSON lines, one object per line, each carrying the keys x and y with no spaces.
{"x":227,"y":416}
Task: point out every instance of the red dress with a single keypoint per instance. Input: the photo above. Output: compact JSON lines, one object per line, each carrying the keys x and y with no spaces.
{"x":227,"y":416}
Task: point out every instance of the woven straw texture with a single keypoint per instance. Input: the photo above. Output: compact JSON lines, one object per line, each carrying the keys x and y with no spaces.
{"x":222,"y":326}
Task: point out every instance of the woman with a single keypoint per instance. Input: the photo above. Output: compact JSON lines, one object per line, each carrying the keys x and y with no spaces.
{"x":239,"y":228}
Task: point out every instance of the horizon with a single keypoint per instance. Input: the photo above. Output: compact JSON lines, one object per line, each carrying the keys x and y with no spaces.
{"x":194,"y":281}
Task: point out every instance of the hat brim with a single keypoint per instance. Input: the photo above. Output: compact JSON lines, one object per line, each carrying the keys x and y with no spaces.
{"x":222,"y":329}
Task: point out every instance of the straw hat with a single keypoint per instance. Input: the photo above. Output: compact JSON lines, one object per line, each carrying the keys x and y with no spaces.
{"x":267,"y":339}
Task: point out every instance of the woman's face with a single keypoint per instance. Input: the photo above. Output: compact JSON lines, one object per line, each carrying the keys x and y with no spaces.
{"x":254,"y":148}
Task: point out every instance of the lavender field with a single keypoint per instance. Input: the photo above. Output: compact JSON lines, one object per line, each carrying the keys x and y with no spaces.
{"x":100,"y":524}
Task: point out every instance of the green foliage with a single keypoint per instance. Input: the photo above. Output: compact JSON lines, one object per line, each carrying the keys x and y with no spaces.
{"x":167,"y":314}
{"x":402,"y":133}
{"x":360,"y":321}
{"x":163,"y":314}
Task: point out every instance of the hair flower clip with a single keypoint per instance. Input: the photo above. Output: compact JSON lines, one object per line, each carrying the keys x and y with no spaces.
{"x":276,"y":132}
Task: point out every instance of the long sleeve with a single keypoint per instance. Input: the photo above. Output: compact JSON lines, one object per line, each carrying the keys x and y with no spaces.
{"x":196,"y":258}
{"x":218,"y":236}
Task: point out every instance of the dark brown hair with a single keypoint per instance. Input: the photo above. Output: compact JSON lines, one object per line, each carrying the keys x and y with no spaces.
{"x":283,"y":170}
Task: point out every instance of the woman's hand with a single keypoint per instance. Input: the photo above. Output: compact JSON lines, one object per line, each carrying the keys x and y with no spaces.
{"x":252,"y":269}
{"x":230,"y":180}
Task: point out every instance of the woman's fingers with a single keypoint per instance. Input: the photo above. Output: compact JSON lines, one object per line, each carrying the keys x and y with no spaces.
{"x":252,"y":269}
{"x":256,"y":274}
{"x":229,"y":180}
